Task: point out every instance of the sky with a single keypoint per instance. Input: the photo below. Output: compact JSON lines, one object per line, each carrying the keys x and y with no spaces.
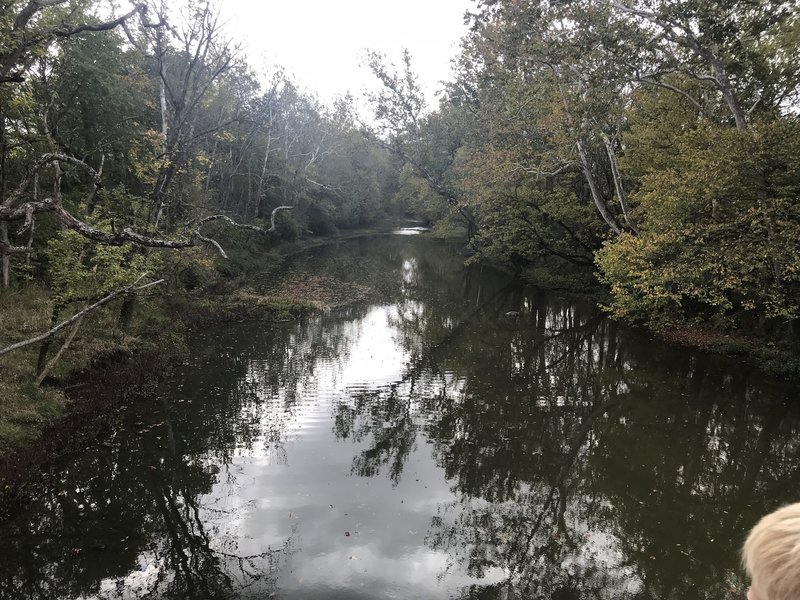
{"x":322,"y":42}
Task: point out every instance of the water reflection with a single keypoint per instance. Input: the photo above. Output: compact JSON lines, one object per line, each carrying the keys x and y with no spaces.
{"x":411,"y":230}
{"x":457,"y":436}
{"x":144,"y":513}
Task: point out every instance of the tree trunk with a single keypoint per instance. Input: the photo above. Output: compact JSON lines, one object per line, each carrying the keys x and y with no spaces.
{"x":623,"y":201}
{"x":260,"y":189}
{"x":724,"y":85}
{"x":162,"y":183}
{"x":5,"y":257}
{"x":211,"y":166}
{"x":91,"y":199}
{"x":52,"y":362}
{"x":32,"y":229}
{"x":595,"y":190}
{"x":126,"y":312}
{"x":29,"y":245}
{"x":162,"y":90}
{"x":249,"y":207}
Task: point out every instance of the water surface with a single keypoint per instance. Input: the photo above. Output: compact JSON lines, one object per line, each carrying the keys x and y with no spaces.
{"x":422,"y":443}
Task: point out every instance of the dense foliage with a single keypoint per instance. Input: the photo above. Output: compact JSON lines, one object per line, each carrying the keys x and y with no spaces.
{"x":657,"y":140}
{"x":125,"y":140}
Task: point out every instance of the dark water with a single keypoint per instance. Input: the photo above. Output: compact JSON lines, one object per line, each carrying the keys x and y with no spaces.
{"x":419,"y":445}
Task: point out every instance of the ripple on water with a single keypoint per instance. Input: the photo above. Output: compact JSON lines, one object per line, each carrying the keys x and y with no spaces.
{"x":419,"y":446}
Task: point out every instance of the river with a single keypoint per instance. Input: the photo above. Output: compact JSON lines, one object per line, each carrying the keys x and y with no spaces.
{"x":420,"y":443}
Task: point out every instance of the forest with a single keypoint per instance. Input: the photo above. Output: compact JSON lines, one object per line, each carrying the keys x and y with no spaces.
{"x":653,"y":145}
{"x":654,"y":141}
{"x":141,"y":151}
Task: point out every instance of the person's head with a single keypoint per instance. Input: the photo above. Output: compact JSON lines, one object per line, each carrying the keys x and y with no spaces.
{"x":771,"y":556}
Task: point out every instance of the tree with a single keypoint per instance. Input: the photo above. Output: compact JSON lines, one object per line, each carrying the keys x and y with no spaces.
{"x":720,"y":222}
{"x":745,"y":50}
{"x":72,"y":110}
{"x":403,"y":129}
{"x":29,"y":27}
{"x":27,"y":30}
{"x":127,"y":136}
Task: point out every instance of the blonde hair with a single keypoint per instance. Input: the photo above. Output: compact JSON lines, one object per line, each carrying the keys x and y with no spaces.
{"x":771,"y":554}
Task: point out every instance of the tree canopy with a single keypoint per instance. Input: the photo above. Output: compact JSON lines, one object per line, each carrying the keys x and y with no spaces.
{"x":654,"y":139}
{"x":124,"y":138}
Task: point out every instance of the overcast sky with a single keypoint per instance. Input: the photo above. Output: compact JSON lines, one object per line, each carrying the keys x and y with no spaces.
{"x":322,"y":42}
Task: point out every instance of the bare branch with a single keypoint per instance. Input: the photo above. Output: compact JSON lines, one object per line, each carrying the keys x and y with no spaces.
{"x":673,"y":88}
{"x":70,"y":30}
{"x":754,"y":105}
{"x":565,"y":167}
{"x":13,"y":59}
{"x":9,"y":249}
{"x":272,"y":216}
{"x":42,"y":162}
{"x":212,"y":242}
{"x":189,"y":237}
{"x":31,"y":9}
{"x":130,"y":289}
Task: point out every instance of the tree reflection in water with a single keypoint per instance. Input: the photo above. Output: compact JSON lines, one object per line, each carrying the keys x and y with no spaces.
{"x":582,"y":460}
{"x":140,"y":516}
{"x":586,"y":462}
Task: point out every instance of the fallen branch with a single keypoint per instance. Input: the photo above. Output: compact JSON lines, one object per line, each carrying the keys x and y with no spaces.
{"x":130,"y":289}
{"x":190,"y":235}
{"x":52,"y":362}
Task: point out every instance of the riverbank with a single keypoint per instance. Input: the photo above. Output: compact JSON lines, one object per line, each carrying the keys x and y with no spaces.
{"x":780,"y":360}
{"x":105,"y":368}
{"x":770,"y":358}
{"x":160,"y":325}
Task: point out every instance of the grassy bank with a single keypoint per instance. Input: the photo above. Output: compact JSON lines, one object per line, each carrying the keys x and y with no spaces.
{"x":159,"y":331}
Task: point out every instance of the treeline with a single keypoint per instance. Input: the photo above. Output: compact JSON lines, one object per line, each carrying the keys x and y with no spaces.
{"x":657,"y":141}
{"x":123,"y":138}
